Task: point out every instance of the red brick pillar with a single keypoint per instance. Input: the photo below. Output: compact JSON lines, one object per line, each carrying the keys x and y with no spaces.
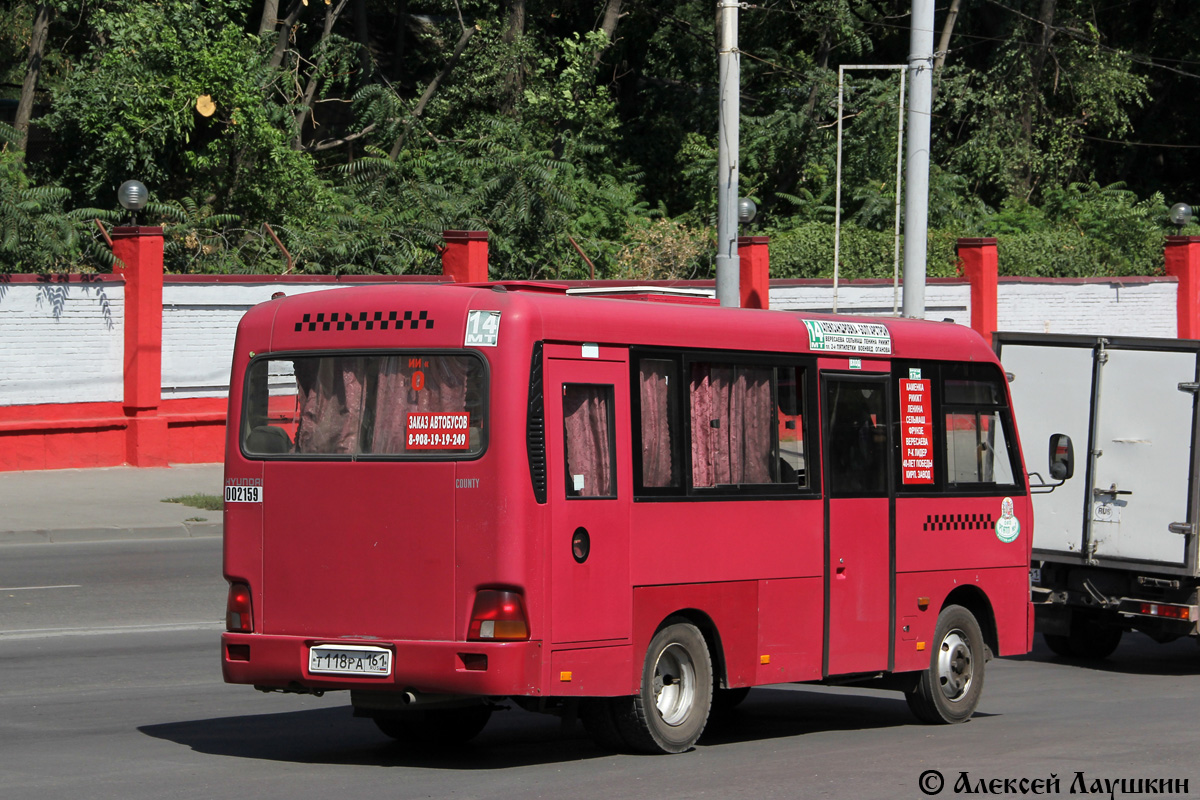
{"x":140,"y":251}
{"x":465,"y":259}
{"x":979,"y":263}
{"x":755,"y":271}
{"x":1182,"y":256}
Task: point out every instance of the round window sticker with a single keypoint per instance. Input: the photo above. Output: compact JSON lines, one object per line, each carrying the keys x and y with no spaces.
{"x":1008,"y":527}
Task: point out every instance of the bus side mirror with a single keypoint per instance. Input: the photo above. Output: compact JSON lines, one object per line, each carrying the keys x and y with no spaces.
{"x":1062,"y":457}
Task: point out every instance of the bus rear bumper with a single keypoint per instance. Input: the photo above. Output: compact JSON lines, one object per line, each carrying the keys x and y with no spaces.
{"x":467,"y":668}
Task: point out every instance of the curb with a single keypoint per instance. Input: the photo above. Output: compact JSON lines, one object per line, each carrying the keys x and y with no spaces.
{"x":183,"y":530}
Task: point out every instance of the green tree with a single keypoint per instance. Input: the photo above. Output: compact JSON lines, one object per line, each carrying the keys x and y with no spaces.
{"x":36,"y":234}
{"x":591,"y":125}
{"x":1021,"y":113}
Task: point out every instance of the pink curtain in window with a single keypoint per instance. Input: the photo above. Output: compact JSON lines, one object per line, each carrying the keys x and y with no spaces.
{"x":657,"y":462}
{"x":732,"y":417}
{"x":589,"y":440}
{"x":443,"y":389}
{"x":329,"y":400}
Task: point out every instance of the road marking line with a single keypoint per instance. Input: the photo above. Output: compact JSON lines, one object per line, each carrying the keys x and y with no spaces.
{"x":33,"y":588}
{"x":47,"y":633}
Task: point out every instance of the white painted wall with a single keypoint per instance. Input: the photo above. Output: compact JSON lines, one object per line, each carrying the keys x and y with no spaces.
{"x":1097,"y":308}
{"x":64,"y":342}
{"x":1115,"y":308}
{"x":942,"y":300}
{"x":199,"y":326}
{"x":61,"y":342}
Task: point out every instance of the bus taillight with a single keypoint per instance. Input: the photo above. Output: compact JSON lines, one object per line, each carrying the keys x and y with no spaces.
{"x":498,"y":615}
{"x":238,"y":618}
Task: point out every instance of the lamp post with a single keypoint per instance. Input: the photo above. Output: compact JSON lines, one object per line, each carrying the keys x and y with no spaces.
{"x":1181,"y":259}
{"x":133,"y":196}
{"x":754,"y":263}
{"x":746,"y":210}
{"x":1180,"y":215}
{"x":139,"y":255}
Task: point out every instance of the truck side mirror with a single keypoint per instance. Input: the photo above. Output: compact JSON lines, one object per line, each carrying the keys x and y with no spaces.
{"x":1062,"y":457}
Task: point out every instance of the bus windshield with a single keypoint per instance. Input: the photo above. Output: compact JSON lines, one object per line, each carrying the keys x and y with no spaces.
{"x":390,"y":405}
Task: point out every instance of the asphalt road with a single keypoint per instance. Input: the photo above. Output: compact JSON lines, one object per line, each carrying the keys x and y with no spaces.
{"x":112,"y":689}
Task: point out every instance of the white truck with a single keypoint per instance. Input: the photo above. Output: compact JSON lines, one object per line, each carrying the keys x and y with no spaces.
{"x":1115,"y":534}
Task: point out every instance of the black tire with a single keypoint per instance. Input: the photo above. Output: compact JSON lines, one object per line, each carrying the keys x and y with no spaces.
{"x":670,"y":711}
{"x":1059,"y":645}
{"x":1092,"y":638}
{"x":1089,"y":638}
{"x":949,"y":690}
{"x":435,"y":727}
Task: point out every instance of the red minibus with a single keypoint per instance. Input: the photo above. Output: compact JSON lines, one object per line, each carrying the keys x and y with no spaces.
{"x":447,"y":499}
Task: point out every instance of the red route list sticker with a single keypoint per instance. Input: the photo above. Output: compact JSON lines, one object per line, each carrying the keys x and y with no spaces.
{"x":438,"y":431}
{"x":916,"y":423}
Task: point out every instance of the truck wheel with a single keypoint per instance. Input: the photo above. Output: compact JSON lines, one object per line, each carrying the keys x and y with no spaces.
{"x":436,"y":727}
{"x":670,"y":712}
{"x":1059,"y":645}
{"x":949,"y":690}
{"x":1090,"y":638}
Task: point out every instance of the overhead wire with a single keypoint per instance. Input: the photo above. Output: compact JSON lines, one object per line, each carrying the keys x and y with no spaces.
{"x":1078,"y":35}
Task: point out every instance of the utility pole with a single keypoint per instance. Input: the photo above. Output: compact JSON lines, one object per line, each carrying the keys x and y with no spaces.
{"x":916,"y":201}
{"x":728,"y":88}
{"x":837,"y":204}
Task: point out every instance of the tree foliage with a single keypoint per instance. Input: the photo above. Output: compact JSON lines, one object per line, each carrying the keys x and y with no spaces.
{"x":358,"y":130}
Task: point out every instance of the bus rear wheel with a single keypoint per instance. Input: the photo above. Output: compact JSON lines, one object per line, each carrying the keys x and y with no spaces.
{"x":950,"y":689}
{"x":436,"y":727}
{"x":670,"y":712}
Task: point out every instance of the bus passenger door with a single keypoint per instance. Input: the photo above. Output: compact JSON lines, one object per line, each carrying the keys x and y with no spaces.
{"x":858,"y":551}
{"x":589,"y":489}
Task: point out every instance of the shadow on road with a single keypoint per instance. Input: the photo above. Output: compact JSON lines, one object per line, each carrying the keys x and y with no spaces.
{"x":514,"y":737}
{"x":334,"y":736}
{"x":779,"y":713}
{"x":1137,"y":654}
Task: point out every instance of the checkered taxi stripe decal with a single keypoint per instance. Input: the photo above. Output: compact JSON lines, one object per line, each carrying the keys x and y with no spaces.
{"x":959,"y":522}
{"x":365,"y":320}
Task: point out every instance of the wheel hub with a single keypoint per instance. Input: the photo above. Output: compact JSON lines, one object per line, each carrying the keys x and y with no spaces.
{"x":674,"y":684}
{"x":955,"y":667}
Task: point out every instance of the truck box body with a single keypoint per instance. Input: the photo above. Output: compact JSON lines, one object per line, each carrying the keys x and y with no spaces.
{"x":1117,"y":539}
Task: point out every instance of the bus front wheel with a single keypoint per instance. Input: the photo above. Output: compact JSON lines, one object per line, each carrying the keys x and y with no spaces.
{"x":949,"y":690}
{"x":670,"y":711}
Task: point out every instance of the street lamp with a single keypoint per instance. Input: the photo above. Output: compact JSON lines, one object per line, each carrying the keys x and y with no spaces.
{"x":1180,"y":214}
{"x":746,"y":210}
{"x":133,"y":197}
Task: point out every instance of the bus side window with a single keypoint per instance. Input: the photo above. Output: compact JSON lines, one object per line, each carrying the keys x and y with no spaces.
{"x":589,"y":440}
{"x":975,"y":413}
{"x":719,"y":427}
{"x":976,"y":449}
{"x":857,"y":438}
{"x":657,"y":382}
{"x":732,"y":418}
{"x":791,"y":428}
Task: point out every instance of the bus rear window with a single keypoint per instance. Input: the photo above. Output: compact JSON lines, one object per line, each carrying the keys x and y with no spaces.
{"x":396,"y":405}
